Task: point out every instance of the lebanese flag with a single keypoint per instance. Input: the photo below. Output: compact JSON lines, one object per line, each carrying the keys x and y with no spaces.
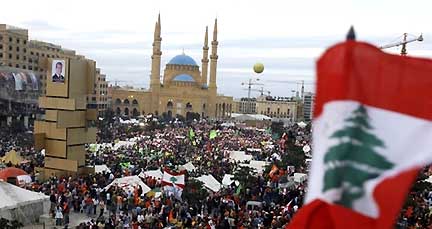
{"x":173,"y":178}
{"x":372,"y":132}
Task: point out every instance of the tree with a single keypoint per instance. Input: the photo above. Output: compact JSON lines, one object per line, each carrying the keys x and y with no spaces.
{"x":246,"y":176}
{"x":277,"y":129}
{"x":194,"y":192}
{"x":353,"y":161}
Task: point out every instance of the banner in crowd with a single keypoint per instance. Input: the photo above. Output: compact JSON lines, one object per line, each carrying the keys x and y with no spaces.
{"x":365,"y":128}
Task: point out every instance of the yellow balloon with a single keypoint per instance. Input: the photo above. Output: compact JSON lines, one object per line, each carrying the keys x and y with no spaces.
{"x":258,"y":68}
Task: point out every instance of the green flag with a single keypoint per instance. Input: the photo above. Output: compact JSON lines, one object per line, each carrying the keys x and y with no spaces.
{"x":238,"y":190}
{"x":213,"y":134}
{"x":125,"y":165}
{"x":191,"y":133}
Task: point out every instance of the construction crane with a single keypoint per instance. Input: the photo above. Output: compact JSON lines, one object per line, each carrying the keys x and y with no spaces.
{"x":251,"y":82}
{"x":404,"y":42}
{"x":261,"y":91}
{"x":117,"y":81}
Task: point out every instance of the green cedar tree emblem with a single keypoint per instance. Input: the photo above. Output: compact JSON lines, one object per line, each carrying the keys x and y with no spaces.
{"x":173,"y":179}
{"x":352,"y":162}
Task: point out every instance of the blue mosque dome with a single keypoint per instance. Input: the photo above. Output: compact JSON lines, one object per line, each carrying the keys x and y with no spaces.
{"x":184,"y":77}
{"x":182,"y":60}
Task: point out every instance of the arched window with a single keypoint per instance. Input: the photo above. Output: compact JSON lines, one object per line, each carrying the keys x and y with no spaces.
{"x":188,"y":106}
{"x":135,"y":112}
{"x":118,"y":101}
{"x":170,"y":105}
{"x":134,"y":102}
{"x":126,"y":111}
{"x":126,"y":102}
{"x":118,"y":111}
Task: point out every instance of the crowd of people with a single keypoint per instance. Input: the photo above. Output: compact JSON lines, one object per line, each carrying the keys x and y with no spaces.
{"x":267,"y":199}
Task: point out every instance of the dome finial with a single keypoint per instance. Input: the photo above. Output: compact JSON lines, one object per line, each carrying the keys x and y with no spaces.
{"x":183,"y":52}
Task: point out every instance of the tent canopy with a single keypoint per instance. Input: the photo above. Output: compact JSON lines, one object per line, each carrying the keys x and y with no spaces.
{"x":12,"y":157}
{"x":228,"y":180}
{"x":129,"y":183}
{"x":188,"y":167}
{"x":101,"y":169}
{"x":210,"y":182}
{"x":12,"y":196}
{"x":239,"y":156}
{"x":11,"y":172}
{"x":152,"y":173}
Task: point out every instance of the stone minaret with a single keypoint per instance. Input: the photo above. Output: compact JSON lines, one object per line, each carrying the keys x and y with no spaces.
{"x":213,"y":58}
{"x":156,"y":64}
{"x":205,"y":59}
{"x":212,"y":81}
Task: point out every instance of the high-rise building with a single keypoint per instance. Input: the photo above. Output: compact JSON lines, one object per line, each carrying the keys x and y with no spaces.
{"x":99,"y":99}
{"x":308,"y":105}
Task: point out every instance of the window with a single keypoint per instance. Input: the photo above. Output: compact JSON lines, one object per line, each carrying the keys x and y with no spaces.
{"x":37,"y":54}
{"x":43,"y":54}
{"x":1,"y":55}
{"x":24,"y":67}
{"x":25,"y":57}
{"x":17,"y":49}
{"x":48,"y":55}
{"x":25,"y":50}
{"x":1,"y":46}
{"x":1,"y":37}
{"x":25,"y":42}
{"x":30,"y":68}
{"x":17,"y":65}
{"x":17,"y":57}
{"x":10,"y":56}
{"x":10,"y":39}
{"x":10,"y":65}
{"x":18,"y":40}
{"x":10,"y":48}
{"x":31,"y":53}
{"x":30,"y":60}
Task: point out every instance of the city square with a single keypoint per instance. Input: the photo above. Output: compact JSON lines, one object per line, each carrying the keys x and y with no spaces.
{"x":192,"y":122}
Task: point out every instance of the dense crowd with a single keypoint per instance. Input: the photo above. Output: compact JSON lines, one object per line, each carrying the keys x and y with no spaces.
{"x":262,"y":200}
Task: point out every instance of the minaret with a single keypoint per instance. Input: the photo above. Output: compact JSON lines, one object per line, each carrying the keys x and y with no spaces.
{"x":213,"y":58}
{"x":205,"y":59}
{"x":212,"y":81}
{"x":156,"y":64}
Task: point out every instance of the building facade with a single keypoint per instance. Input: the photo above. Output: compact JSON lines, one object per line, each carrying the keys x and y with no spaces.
{"x":184,"y":89}
{"x":17,"y":51}
{"x":308,"y":105}
{"x":274,"y":107}
{"x":99,"y":99}
{"x":245,"y":106}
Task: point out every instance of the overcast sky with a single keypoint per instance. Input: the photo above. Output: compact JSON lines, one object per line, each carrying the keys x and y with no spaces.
{"x":286,"y":36}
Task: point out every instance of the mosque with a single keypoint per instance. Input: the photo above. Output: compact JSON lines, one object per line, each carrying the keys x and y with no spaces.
{"x":185,"y":88}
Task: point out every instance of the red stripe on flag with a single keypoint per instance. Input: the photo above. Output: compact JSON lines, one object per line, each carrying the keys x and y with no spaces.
{"x":361,"y":72}
{"x":172,"y":173}
{"x":390,"y":194}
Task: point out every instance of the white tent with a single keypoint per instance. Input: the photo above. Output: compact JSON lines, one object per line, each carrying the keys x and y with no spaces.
{"x":248,"y":117}
{"x":188,"y":167}
{"x":228,"y":180}
{"x":128,"y":184}
{"x":101,"y":169}
{"x":258,"y":166}
{"x":20,"y":204}
{"x":300,"y":177}
{"x":306,"y":148}
{"x":239,"y":156}
{"x":152,"y":173}
{"x":210,"y":182}
{"x":302,"y":124}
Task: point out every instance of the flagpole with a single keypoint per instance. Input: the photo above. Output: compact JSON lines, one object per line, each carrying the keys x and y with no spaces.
{"x":351,"y":34}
